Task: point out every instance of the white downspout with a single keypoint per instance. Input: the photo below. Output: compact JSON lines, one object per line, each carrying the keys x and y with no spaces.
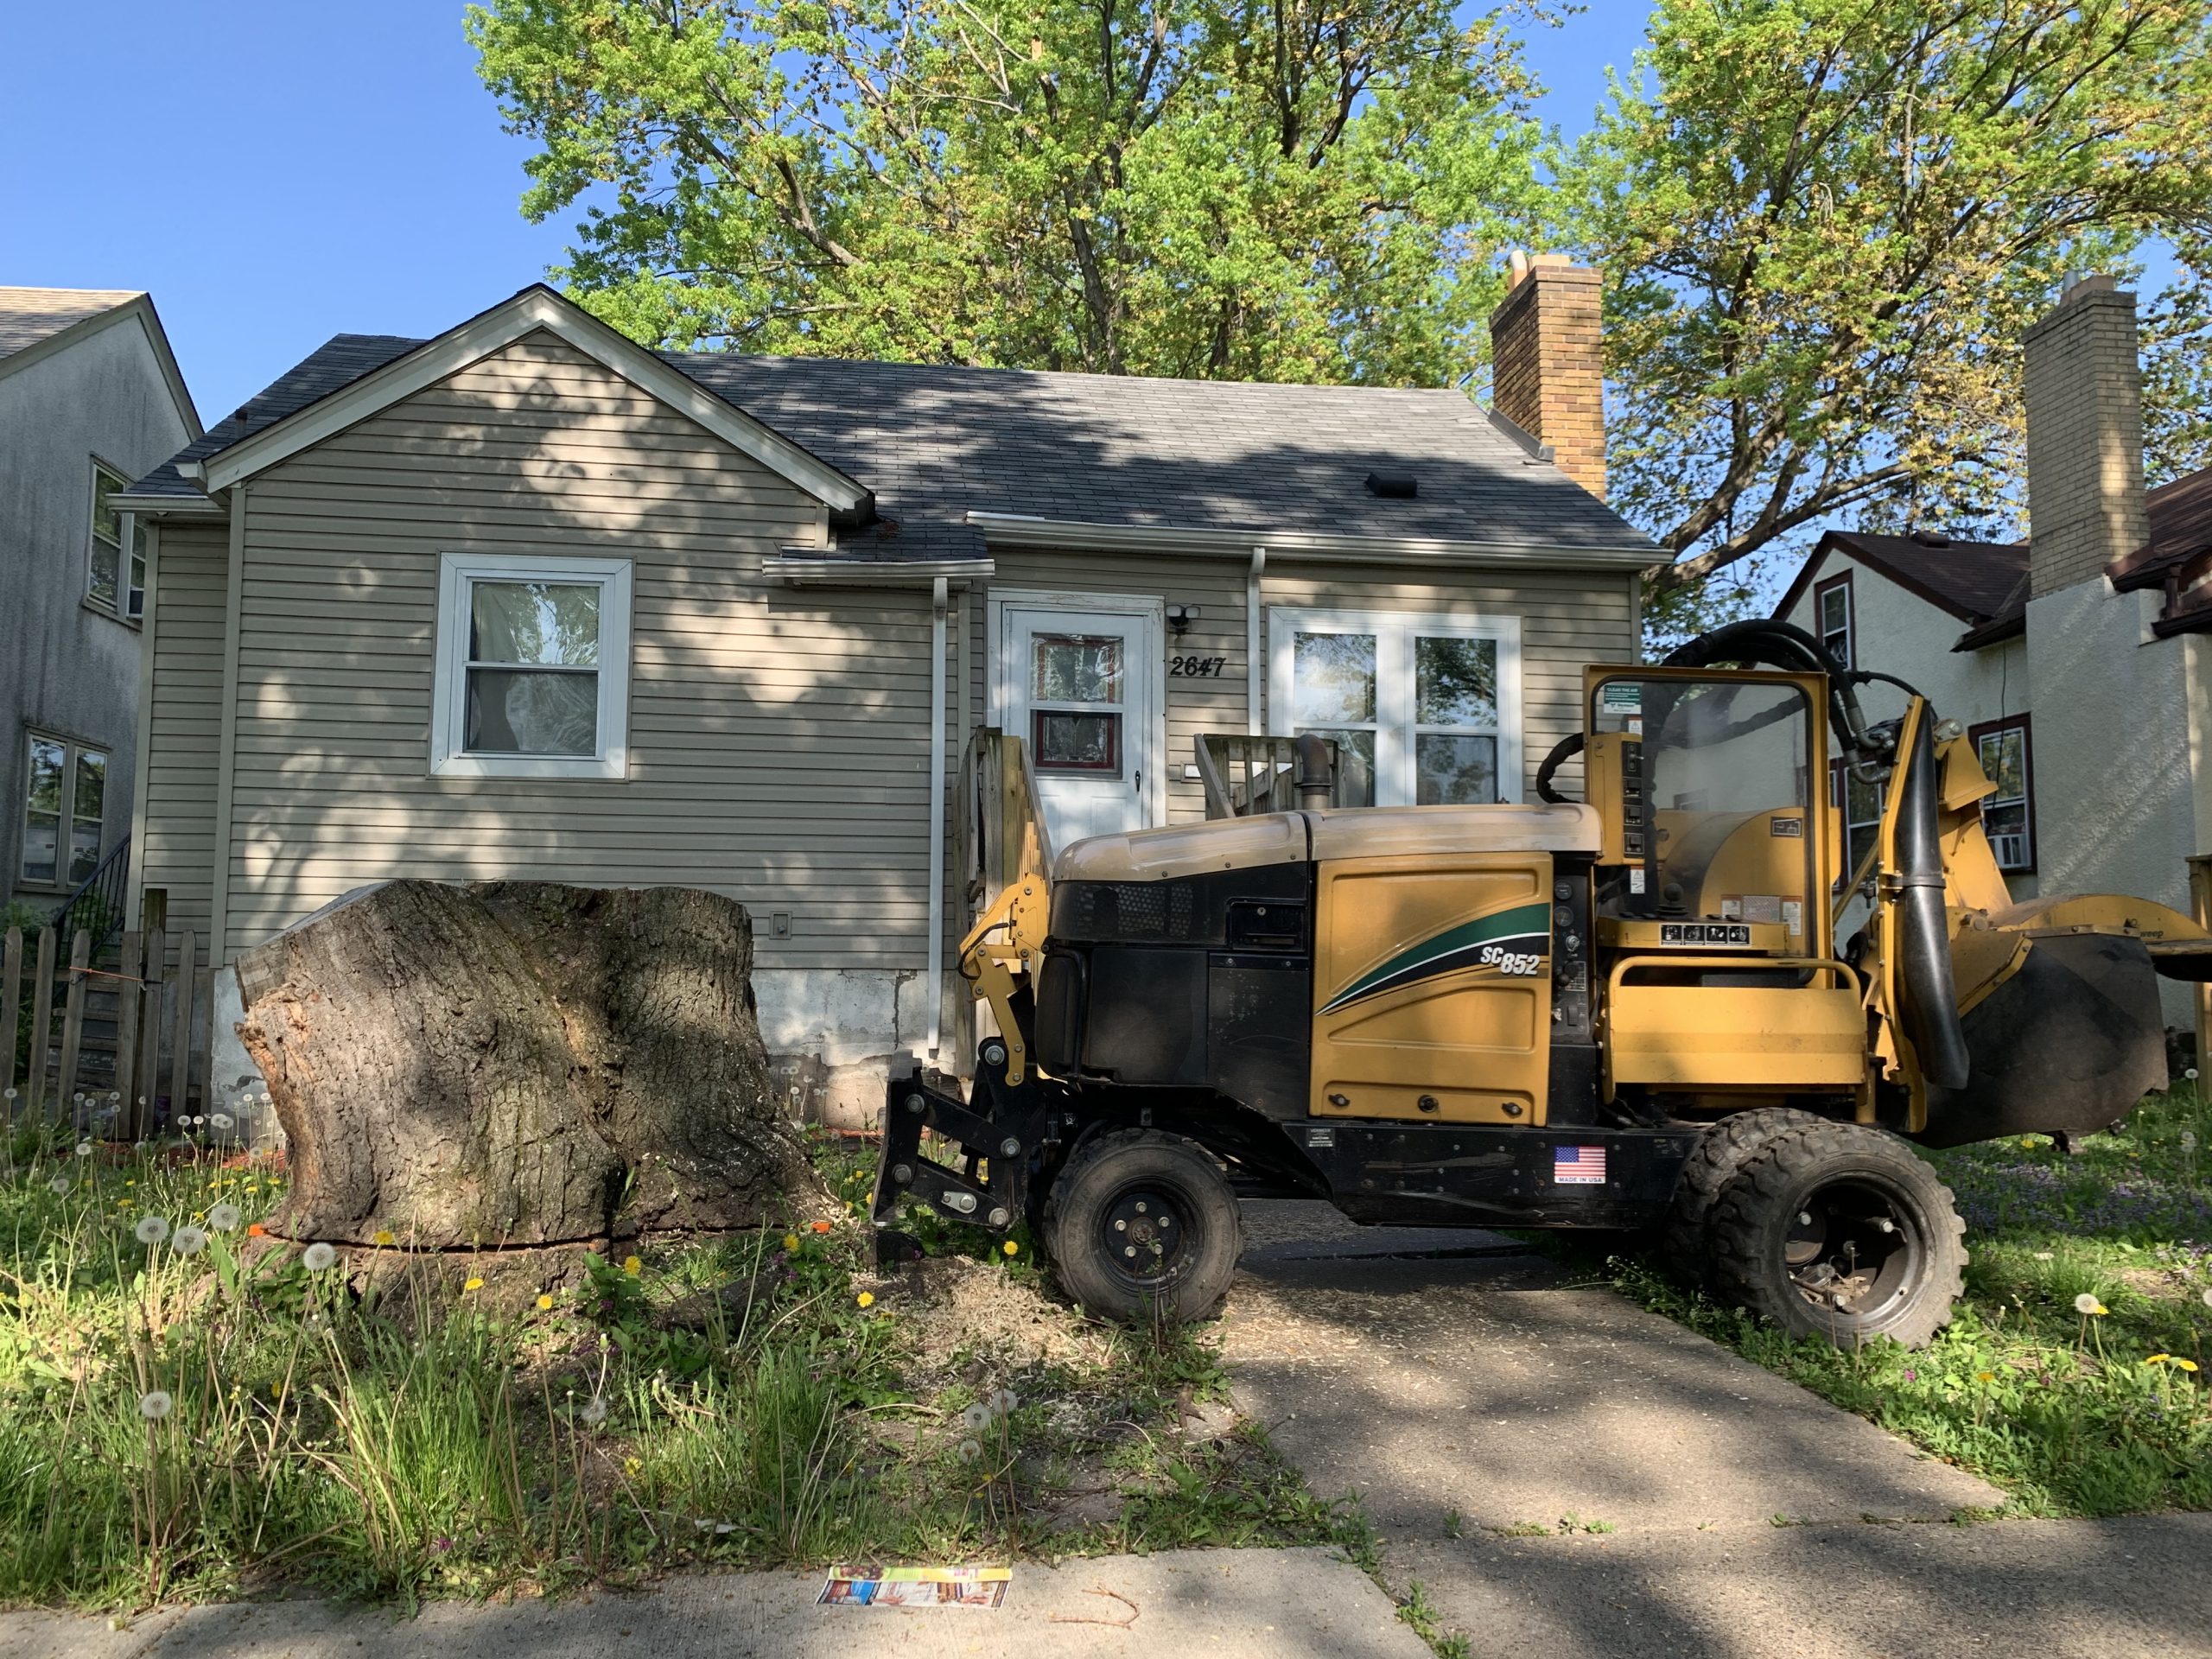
{"x":934,"y":991}
{"x":1254,"y":679}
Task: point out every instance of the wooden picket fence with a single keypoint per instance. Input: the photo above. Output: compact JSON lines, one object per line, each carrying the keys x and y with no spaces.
{"x":119,"y":1045}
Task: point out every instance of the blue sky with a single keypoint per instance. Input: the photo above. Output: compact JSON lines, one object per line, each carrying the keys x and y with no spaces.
{"x":278,"y":173}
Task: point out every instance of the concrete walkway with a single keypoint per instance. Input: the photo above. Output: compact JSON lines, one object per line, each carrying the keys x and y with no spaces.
{"x":1459,"y":1386}
{"x":1243,"y":1604}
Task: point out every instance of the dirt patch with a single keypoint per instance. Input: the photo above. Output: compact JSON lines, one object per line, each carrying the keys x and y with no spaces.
{"x":964,"y":1318}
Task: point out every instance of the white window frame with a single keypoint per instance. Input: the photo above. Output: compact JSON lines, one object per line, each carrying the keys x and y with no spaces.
{"x":449,"y":756}
{"x":72,"y":751}
{"x":1394,"y":689}
{"x":130,"y":605}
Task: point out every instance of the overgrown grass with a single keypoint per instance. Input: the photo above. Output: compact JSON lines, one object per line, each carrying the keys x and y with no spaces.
{"x":189,"y":1422}
{"x":2071,"y":1413}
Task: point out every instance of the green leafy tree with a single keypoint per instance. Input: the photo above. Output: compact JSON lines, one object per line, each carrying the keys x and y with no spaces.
{"x":2178,"y":367}
{"x":1825,"y":224}
{"x":1284,"y":190}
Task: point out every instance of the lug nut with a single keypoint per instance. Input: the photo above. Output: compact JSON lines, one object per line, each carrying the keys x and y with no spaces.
{"x":1139,"y":1206}
{"x":1804,"y":1217}
{"x":1129,"y":1249}
{"x":1121,"y":1226}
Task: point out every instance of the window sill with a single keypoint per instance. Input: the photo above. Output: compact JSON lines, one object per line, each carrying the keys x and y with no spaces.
{"x":609,"y":768}
{"x":136,"y":624}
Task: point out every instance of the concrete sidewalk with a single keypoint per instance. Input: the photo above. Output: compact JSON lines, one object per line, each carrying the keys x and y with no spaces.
{"x":1241,"y":1604}
{"x":1459,"y":1385}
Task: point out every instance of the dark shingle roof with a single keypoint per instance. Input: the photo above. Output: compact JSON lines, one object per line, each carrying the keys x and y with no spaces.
{"x":337,"y":363}
{"x":2181,"y":530}
{"x":28,"y":315}
{"x":1983,"y":584}
{"x":937,"y":443}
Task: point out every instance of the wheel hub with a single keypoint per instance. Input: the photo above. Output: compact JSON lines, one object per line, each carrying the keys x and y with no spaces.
{"x":1854,"y":1248}
{"x":1144,"y":1233}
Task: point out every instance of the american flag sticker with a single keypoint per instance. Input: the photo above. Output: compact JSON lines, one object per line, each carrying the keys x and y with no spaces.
{"x":1577,"y":1166}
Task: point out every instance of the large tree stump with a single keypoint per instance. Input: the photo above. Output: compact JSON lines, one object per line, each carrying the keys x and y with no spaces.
{"x":519,"y":1063}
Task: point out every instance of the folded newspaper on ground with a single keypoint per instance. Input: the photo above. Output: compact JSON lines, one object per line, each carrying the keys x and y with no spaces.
{"x":916,"y":1586}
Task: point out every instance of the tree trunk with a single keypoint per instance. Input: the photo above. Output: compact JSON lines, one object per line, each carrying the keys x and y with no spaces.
{"x":519,"y":1063}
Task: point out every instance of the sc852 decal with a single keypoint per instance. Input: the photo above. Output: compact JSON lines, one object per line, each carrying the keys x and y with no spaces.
{"x":1521,"y":964}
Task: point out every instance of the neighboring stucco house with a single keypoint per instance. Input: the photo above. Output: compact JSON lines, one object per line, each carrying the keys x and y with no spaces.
{"x":90,"y":398}
{"x":2077,"y":660}
{"x":528,"y":600}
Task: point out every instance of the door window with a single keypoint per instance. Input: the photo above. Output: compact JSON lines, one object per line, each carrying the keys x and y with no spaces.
{"x":1075,"y":703}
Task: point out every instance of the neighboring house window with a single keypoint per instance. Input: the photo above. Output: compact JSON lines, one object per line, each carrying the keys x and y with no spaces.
{"x":1832,"y":612}
{"x":65,"y":806}
{"x":1861,"y":803}
{"x":533,"y":667}
{"x":2008,"y":817}
{"x":1425,"y":710}
{"x":111,"y":574}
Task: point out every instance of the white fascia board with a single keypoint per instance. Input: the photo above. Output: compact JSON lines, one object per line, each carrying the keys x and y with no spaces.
{"x":532,"y":310}
{"x":809,"y":570}
{"x":169,"y":506}
{"x":1021,"y":530}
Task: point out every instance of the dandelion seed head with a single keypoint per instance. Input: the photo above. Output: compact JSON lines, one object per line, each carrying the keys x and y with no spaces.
{"x":156,"y":1405}
{"x":150,"y":1230}
{"x":59,"y":1184}
{"x":976,"y":1417}
{"x":190,"y":1240}
{"x":318,"y":1256}
{"x":593,"y":1413}
{"x":84,"y":1148}
{"x":970,"y":1450}
{"x":223,"y":1217}
{"x":1004,"y":1402}
{"x":2086,"y":1304}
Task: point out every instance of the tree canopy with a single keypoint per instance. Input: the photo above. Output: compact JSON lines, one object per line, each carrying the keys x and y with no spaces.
{"x":1286,"y":189}
{"x":1825,"y":224}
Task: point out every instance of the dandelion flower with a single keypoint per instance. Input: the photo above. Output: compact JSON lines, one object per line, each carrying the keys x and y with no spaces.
{"x":59,"y":1184}
{"x":84,"y":1148}
{"x":1985,"y":1377}
{"x":189,"y":1240}
{"x":223,"y":1217}
{"x":472,"y":1283}
{"x":384,"y":1238}
{"x":632,"y":1266}
{"x":633,"y":1466}
{"x":970,"y":1450}
{"x":2088,"y":1307}
{"x":593,"y":1413}
{"x":155,"y":1406}
{"x":866,"y":1298}
{"x":976,"y":1417}
{"x":150,"y":1230}
{"x":317,"y":1256}
{"x":2156,"y":1359}
{"x":791,"y":1241}
{"x":2186,"y":1364}
{"x":1010,"y":1248}
{"x":544,"y":1303}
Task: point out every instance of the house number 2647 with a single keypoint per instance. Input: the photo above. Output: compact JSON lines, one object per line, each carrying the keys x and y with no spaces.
{"x":1196,"y":668}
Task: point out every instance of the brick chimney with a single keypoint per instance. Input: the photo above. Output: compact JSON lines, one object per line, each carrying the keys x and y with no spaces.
{"x":1547,"y":376}
{"x":2085,"y":437}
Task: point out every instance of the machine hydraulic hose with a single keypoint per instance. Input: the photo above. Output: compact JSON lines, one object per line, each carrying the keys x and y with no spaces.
{"x":1931,"y":1001}
{"x":1789,"y":648}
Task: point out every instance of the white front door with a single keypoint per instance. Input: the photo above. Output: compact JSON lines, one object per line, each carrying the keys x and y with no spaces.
{"x":1077,"y":684}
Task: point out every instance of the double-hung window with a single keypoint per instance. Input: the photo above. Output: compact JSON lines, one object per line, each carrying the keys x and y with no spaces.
{"x":2008,"y":817}
{"x":1860,"y":803}
{"x":65,"y":806}
{"x":533,"y":667}
{"x":1833,"y":620}
{"x":1425,"y":710}
{"x":115,"y":575}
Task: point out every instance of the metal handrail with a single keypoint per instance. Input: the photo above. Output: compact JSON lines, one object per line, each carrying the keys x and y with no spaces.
{"x":97,"y":905}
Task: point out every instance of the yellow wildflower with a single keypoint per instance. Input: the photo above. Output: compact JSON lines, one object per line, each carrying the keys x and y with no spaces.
{"x":791,"y":1241}
{"x":632,"y":1265}
{"x":2157,"y":1359}
{"x":543,"y":1303}
{"x":472,"y":1283}
{"x":866,"y":1298}
{"x":1010,"y":1248}
{"x":2186,"y":1364}
{"x":384,"y":1236}
{"x":1985,"y":1376}
{"x":630,"y":1465}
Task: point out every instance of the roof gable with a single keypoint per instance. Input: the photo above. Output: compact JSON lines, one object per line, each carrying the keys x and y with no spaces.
{"x":1973,"y":581}
{"x":35,"y":323}
{"x":413,"y":366}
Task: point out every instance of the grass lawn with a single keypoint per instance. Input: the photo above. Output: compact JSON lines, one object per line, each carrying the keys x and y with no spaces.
{"x":205,"y":1413}
{"x":2070,"y":1412}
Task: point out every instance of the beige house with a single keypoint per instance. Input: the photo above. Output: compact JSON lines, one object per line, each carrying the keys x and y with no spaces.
{"x":528,"y":600}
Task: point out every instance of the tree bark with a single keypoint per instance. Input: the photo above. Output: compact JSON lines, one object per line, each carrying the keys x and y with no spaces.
{"x":519,"y":1063}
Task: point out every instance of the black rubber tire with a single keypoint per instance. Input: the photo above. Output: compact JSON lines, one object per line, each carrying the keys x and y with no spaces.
{"x":1836,"y":1172}
{"x":1685,"y":1245}
{"x":1111,"y":1170}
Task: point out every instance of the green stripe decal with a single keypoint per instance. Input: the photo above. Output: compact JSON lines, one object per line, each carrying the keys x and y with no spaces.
{"x":1527,"y":926}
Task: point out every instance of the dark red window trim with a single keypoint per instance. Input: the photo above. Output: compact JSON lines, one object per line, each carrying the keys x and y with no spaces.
{"x":1821,"y":590}
{"x":2025,"y":724}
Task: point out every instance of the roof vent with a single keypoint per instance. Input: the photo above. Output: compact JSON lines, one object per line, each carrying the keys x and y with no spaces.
{"x":1393,"y":486}
{"x":1930,"y":538}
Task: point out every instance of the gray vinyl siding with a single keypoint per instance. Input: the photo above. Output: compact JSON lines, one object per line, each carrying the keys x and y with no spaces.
{"x":779,"y":741}
{"x":184,"y":747}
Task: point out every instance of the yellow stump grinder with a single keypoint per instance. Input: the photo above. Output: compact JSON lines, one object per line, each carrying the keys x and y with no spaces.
{"x":1631,"y":1012}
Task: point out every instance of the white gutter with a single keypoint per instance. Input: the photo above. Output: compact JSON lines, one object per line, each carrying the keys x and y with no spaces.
{"x":1253,"y":681}
{"x":813,"y":570}
{"x":180,"y":507}
{"x":1075,"y":535}
{"x":933,"y":992}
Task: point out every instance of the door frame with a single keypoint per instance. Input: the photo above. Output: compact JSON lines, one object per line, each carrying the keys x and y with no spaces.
{"x":1150,"y":609}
